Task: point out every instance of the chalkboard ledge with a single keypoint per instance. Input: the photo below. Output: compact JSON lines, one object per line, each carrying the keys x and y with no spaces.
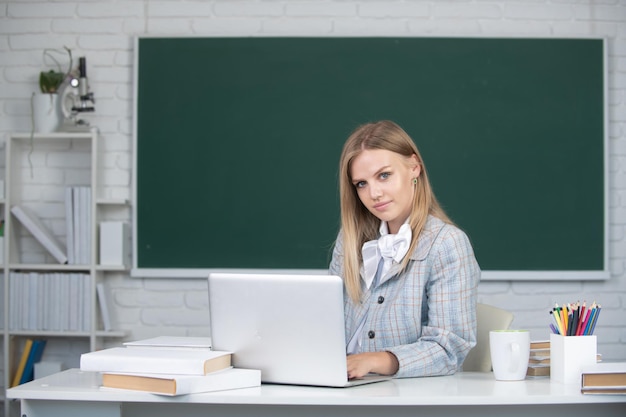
{"x":485,"y":275}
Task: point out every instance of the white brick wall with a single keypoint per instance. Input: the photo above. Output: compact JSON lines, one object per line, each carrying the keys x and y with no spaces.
{"x":103,"y":31}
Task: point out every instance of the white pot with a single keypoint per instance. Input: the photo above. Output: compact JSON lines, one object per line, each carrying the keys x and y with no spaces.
{"x":47,"y":112}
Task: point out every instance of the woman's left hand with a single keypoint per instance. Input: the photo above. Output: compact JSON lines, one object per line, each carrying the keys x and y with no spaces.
{"x":361,"y":364}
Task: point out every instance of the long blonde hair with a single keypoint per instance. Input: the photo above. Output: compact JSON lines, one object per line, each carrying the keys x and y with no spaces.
{"x":357,"y":223}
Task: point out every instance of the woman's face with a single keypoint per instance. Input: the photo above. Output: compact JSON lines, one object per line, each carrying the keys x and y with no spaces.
{"x":384,"y":184}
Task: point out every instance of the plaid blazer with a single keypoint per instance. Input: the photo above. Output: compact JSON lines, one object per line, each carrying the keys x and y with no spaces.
{"x":425,"y":315}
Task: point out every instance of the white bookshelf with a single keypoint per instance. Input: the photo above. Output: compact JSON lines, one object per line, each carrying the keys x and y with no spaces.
{"x":36,"y":172}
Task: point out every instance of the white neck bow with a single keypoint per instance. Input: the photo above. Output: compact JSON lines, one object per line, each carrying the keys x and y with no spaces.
{"x":388,"y":247}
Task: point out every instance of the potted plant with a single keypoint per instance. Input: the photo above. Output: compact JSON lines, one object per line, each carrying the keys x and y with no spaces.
{"x":50,"y":81}
{"x":46,"y":106}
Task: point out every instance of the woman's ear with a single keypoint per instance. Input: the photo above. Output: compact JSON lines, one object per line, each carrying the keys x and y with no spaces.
{"x":416,"y":168}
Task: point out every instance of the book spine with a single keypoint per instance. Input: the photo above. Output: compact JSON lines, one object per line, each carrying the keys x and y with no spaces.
{"x":220,"y":381}
{"x":104,"y":306}
{"x":28,"y":345}
{"x":135,"y":364}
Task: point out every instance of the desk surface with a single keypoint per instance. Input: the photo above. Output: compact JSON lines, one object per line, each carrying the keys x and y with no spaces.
{"x":465,"y":388}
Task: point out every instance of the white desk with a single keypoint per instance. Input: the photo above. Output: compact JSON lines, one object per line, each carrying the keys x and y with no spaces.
{"x":76,"y":393}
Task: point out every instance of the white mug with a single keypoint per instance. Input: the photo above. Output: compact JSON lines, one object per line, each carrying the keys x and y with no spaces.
{"x":510,"y":350}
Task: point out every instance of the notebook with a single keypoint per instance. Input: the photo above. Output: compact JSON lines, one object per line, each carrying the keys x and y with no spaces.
{"x":291,"y":327}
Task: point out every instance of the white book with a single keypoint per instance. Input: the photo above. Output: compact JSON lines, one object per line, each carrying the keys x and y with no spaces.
{"x":56,"y":300}
{"x":33,"y":301}
{"x":114,"y":237}
{"x":604,"y":378}
{"x":14,"y":294}
{"x":84,"y":220}
{"x":69,"y":224}
{"x":87,"y":302}
{"x":74,"y":301}
{"x":155,"y":361}
{"x":65,"y":302}
{"x":45,"y":305}
{"x":103,"y":302}
{"x":172,"y":342}
{"x":76,"y":225}
{"x":24,"y":298}
{"x":88,"y":225}
{"x":227,"y":379}
{"x":32,"y":223}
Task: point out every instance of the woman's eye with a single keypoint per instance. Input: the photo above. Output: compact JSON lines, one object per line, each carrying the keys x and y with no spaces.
{"x":384,"y":175}
{"x":360,"y":184}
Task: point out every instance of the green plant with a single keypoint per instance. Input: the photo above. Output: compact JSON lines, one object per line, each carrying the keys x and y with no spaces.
{"x":50,"y":81}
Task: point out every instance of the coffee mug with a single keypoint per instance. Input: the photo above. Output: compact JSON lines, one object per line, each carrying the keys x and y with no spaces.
{"x":510,"y":350}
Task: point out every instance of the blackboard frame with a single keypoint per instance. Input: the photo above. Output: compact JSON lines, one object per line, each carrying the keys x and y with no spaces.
{"x":598,"y":273}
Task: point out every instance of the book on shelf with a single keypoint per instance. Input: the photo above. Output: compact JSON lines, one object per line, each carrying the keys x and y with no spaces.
{"x":28,"y":344}
{"x":540,"y":344}
{"x":35,"y":356}
{"x":34,"y":225}
{"x":160,"y":361}
{"x":604,"y":378}
{"x":35,"y":351}
{"x":172,"y":342}
{"x":103,"y":302}
{"x":164,"y":384}
{"x":78,"y":224}
{"x":69,"y":225}
{"x":52,"y":301}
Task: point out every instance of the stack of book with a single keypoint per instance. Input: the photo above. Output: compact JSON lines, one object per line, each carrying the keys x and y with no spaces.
{"x":604,"y":378}
{"x":55,"y":301}
{"x":539,"y":360}
{"x":78,"y":224}
{"x":78,"y":227}
{"x":180,"y":366}
{"x":33,"y":350}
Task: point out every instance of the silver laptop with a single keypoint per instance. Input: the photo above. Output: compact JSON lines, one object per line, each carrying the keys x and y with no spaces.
{"x":291,"y":327}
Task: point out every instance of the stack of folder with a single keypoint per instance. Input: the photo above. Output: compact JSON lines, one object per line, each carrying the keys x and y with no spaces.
{"x":168,"y":368}
{"x":539,"y":360}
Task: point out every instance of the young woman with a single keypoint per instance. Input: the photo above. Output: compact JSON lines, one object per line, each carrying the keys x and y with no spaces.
{"x":410,"y":275}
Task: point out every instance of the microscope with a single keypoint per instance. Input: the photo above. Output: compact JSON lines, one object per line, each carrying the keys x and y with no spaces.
{"x":77,"y":99}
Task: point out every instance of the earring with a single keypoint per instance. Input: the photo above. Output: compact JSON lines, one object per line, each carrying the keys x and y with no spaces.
{"x":414,"y":181}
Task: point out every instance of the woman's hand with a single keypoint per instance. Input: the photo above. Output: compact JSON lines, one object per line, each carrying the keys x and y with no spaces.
{"x":361,"y":364}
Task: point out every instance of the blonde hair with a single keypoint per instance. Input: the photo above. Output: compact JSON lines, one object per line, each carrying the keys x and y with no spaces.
{"x":357,"y":223}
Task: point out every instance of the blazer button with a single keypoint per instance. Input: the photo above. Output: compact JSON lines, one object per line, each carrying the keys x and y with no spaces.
{"x":381,"y":299}
{"x":371,"y":334}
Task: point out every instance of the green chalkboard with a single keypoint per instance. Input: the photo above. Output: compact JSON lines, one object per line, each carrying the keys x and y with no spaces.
{"x":238,"y":141}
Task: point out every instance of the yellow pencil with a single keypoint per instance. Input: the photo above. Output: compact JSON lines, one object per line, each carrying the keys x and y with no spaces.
{"x":563,"y":319}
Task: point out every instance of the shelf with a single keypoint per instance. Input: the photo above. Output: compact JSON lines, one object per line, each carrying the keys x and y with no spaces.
{"x":66,"y":267}
{"x":111,"y":333}
{"x":53,"y":136}
{"x":49,"y":267}
{"x":112,"y":268}
{"x":112,"y":202}
{"x":81,"y":152}
{"x":65,"y":334}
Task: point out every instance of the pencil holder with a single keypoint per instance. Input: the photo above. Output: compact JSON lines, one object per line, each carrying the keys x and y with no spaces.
{"x":568,"y":355}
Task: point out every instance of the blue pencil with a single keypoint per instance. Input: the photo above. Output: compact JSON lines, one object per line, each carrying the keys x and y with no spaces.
{"x":595,"y":319}
{"x":592,"y":314}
